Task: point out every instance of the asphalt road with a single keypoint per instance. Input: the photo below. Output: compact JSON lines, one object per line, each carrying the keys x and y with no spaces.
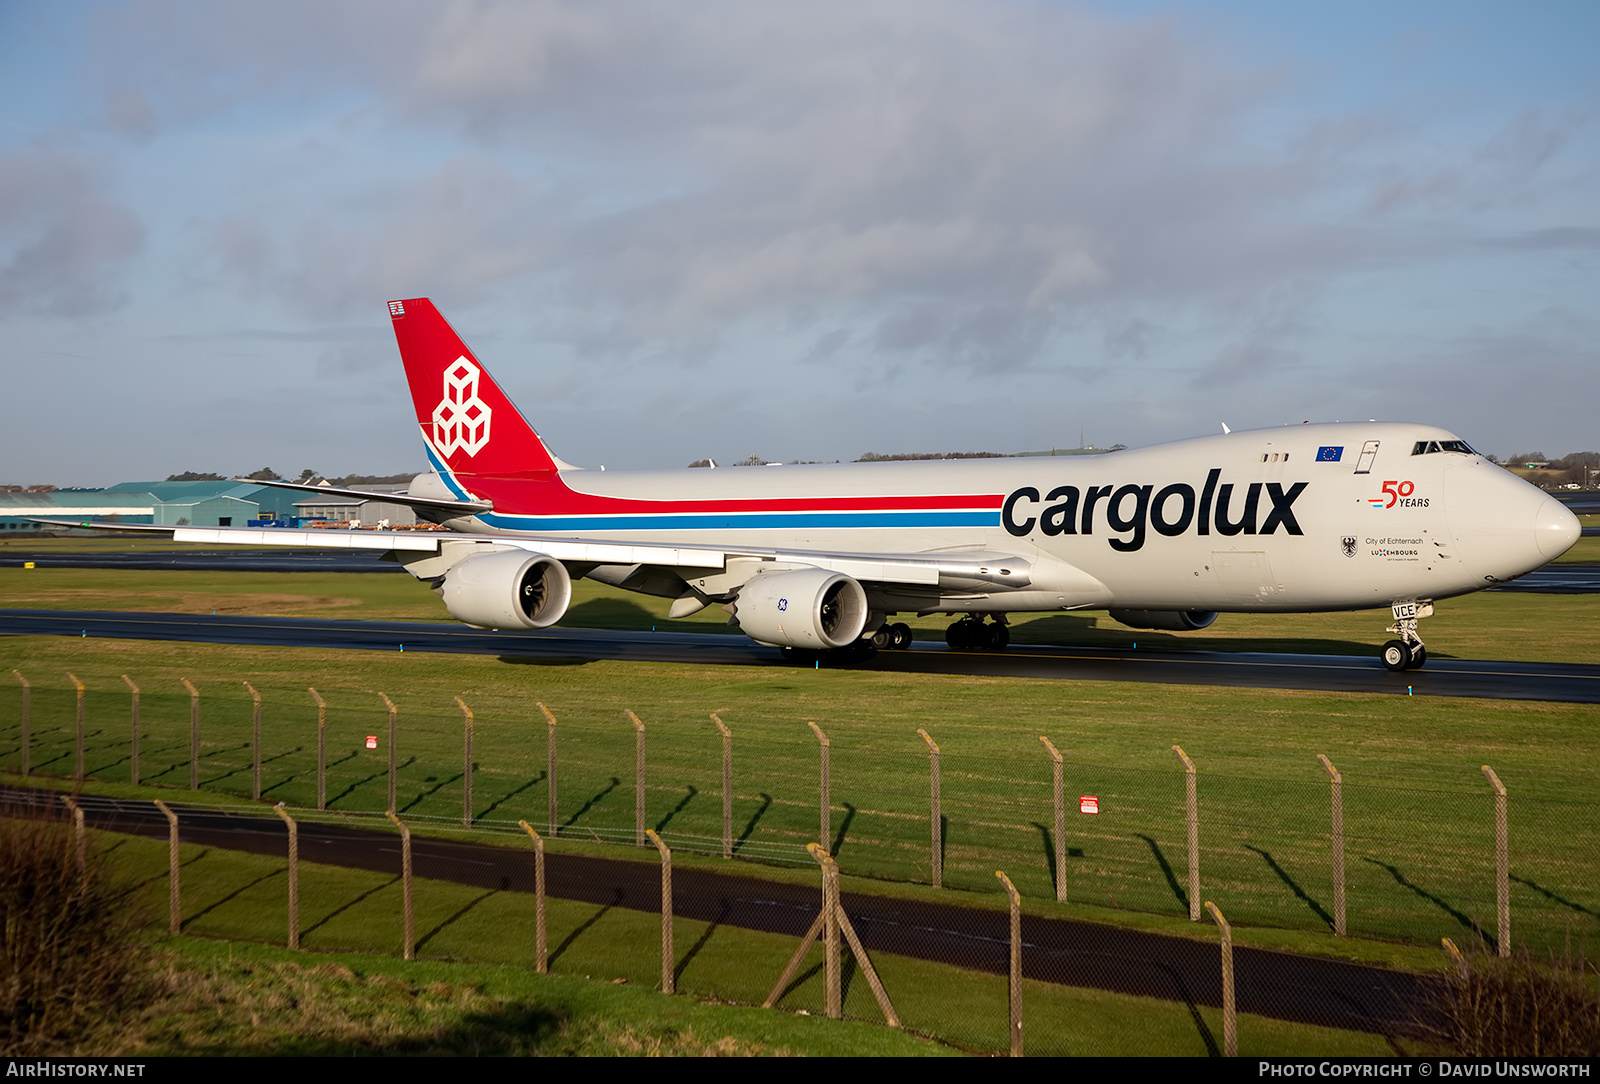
{"x":236,"y":560}
{"x":1287,"y":987}
{"x":1561,"y":682}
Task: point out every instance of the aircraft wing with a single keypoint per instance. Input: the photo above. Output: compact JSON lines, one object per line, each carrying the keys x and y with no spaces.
{"x":961,"y":568}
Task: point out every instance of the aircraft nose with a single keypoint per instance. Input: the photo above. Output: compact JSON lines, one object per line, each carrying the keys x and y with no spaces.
{"x":1555,"y":529}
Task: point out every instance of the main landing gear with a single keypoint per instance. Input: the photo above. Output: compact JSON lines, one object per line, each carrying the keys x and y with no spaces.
{"x":972,"y":633}
{"x":895,"y":637}
{"x":1408,"y":652}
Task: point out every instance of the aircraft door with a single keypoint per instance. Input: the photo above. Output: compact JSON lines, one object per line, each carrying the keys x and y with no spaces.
{"x":1245,"y":577}
{"x":1369,"y":452}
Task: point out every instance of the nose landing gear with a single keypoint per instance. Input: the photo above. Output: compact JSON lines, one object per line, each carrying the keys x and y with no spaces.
{"x":1408,"y":652}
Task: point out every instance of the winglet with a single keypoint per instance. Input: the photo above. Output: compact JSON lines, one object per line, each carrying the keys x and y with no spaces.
{"x":467,"y":422}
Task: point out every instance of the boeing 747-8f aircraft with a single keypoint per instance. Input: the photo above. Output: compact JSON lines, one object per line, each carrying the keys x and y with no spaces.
{"x":820,"y":558}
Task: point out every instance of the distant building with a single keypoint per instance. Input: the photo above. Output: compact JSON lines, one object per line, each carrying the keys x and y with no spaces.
{"x":211,"y":504}
{"x":196,"y":504}
{"x":17,"y":508}
{"x":357,"y":512}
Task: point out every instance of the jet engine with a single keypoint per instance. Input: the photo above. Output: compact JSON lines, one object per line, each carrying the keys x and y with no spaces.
{"x":512,"y":589}
{"x":809,"y":608}
{"x":1165,"y":620}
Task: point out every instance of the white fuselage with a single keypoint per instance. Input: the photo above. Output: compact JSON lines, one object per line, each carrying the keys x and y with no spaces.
{"x":1308,"y":517}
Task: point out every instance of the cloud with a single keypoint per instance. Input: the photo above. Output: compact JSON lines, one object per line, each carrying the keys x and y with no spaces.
{"x":1502,"y":168}
{"x":952,"y":180}
{"x":63,"y":239}
{"x":882,"y":188}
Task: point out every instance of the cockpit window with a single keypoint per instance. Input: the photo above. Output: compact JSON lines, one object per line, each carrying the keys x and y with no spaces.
{"x":1428,"y":447}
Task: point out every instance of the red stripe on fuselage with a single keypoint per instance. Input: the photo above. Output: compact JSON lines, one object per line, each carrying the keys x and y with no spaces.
{"x":544,"y":493}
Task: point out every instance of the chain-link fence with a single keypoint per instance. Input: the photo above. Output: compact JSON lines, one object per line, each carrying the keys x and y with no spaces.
{"x":1418,"y":854}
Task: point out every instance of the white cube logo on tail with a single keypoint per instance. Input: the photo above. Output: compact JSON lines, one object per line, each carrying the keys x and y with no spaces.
{"x":461,"y":420}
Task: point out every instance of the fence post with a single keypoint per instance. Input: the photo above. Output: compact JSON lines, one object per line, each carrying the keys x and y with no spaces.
{"x":27,"y":715}
{"x":1230,"y":1023}
{"x":935,"y":825}
{"x":1337,"y":782}
{"x":667,"y":956}
{"x":1058,"y":789}
{"x":1015,"y":994}
{"x":1502,"y":864}
{"x":77,"y":760}
{"x":541,"y":954}
{"x":322,"y":749}
{"x":466,"y":764}
{"x":833,"y":1001}
{"x":174,"y":910}
{"x":294,"y":875}
{"x":133,"y":749}
{"x":1193,"y":805}
{"x":80,"y":837}
{"x":862,"y":959}
{"x":394,"y":739}
{"x":638,"y":780}
{"x":255,"y":741}
{"x":825,"y":829}
{"x":727,"y":786}
{"x":834,"y":921}
{"x":408,"y":919}
{"x":194,"y":734}
{"x":550,"y":766}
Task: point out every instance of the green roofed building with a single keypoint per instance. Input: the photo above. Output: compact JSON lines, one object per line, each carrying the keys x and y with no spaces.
{"x":211,"y":504}
{"x":17,"y":509}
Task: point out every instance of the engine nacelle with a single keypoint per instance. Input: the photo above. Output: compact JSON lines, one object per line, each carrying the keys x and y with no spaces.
{"x":1165,"y":620}
{"x":808,"y":608}
{"x":512,"y":589}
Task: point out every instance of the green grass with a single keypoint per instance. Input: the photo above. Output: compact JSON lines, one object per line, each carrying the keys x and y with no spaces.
{"x":342,"y":996}
{"x":1418,"y":814}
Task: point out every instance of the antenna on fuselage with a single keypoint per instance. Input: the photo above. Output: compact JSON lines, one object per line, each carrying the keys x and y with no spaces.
{"x":1225,"y":429}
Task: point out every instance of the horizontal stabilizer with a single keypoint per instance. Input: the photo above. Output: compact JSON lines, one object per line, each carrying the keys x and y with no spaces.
{"x":465,"y":508}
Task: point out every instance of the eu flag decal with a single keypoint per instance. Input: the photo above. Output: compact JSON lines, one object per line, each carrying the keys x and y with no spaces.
{"x":1330,"y":455}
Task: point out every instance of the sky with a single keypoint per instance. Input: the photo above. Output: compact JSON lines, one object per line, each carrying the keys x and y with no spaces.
{"x":800,"y":231}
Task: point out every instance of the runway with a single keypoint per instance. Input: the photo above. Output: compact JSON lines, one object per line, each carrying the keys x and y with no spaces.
{"x":1560,"y":682}
{"x":237,"y":560}
{"x":1552,"y":579}
{"x":1305,"y":989}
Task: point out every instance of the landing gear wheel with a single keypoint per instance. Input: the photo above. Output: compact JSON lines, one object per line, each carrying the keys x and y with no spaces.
{"x":884,"y":638}
{"x":1000,"y":637}
{"x":1396,"y":656}
{"x":965,"y":634}
{"x":1419,"y":655}
{"x":902,"y":636}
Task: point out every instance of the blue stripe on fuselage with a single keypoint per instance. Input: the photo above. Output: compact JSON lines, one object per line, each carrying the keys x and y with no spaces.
{"x":444,"y":472}
{"x":740,"y":521}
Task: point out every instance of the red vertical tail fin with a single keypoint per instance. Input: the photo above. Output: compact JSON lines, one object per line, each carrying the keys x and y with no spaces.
{"x":467,"y":422}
